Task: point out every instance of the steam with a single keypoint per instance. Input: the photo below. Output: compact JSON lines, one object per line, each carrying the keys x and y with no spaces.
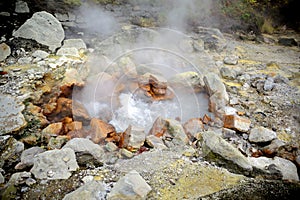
{"x":118,"y":62}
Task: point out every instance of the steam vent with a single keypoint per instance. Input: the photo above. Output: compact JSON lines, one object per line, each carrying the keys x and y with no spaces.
{"x":170,"y":99}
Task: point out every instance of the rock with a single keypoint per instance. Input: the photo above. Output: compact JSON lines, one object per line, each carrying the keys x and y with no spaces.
{"x":68,"y":51}
{"x":86,"y":146}
{"x":27,"y":157}
{"x":72,"y":77}
{"x":110,"y":146}
{"x":93,"y":190}
{"x":2,"y":179}
{"x":228,"y":133}
{"x":19,"y":178}
{"x":214,"y":147}
{"x":136,"y":137}
{"x":213,"y":38}
{"x":287,"y":169}
{"x":21,"y":7}
{"x":55,"y":164}
{"x":11,"y":118}
{"x":4,"y":51}
{"x":273,"y":148}
{"x":43,"y":28}
{"x":231,"y":60}
{"x":24,"y":60}
{"x":127,"y":67}
{"x":10,"y":151}
{"x":237,"y":123}
{"x":189,"y":80}
{"x":74,"y":43}
{"x":57,"y":142}
{"x":131,"y":186}
{"x":52,"y":130}
{"x":217,"y":92}
{"x":155,"y":142}
{"x":261,"y":134}
{"x":170,"y":129}
{"x":228,"y":73}
{"x":287,"y":42}
{"x":269,"y":84}
{"x":192,"y":127}
{"x":40,"y":54}
{"x":125,"y":153}
{"x":100,"y":130}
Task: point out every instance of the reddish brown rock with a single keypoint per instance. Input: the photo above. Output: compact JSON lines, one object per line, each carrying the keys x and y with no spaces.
{"x":54,"y":129}
{"x":237,"y":123}
{"x":192,"y":127}
{"x":100,"y":130}
{"x":64,"y":107}
{"x":37,"y":114}
{"x":74,"y":126}
{"x":80,"y":113}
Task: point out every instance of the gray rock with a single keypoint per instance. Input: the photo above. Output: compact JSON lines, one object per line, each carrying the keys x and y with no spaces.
{"x":55,"y":164}
{"x":91,"y":191}
{"x":76,"y":43}
{"x":126,"y":154}
{"x":61,"y":17}
{"x":6,"y":14}
{"x":269,"y":84}
{"x":155,"y":142}
{"x":83,"y":145}
{"x":213,"y":38}
{"x":231,"y":60}
{"x":187,"y":79}
{"x":43,"y":28}
{"x":214,"y":85}
{"x":19,"y":178}
{"x":4,"y":51}
{"x":10,"y":151}
{"x":40,"y":54}
{"x":286,"y":167}
{"x":110,"y":146}
{"x":2,"y":179}
{"x":68,"y":51}
{"x":21,"y":7}
{"x":261,"y":134}
{"x":24,"y":60}
{"x":130,"y":187}
{"x":212,"y":143}
{"x":27,"y":157}
{"x":228,"y":73}
{"x":137,"y":137}
{"x":287,"y":41}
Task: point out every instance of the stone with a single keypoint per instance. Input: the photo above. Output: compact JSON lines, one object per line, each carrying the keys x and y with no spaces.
{"x":127,"y":67}
{"x":4,"y":51}
{"x":74,"y":43}
{"x":11,"y":117}
{"x":92,"y":190}
{"x":72,"y":77}
{"x":86,"y":146}
{"x":125,"y":153}
{"x":10,"y":151}
{"x":24,"y":60}
{"x":273,"y":148}
{"x":131,"y":186}
{"x":192,"y":127}
{"x":40,"y":54}
{"x":27,"y":157}
{"x":214,"y":146}
{"x":100,"y":130}
{"x":231,"y":60}
{"x":52,"y":130}
{"x":189,"y":80}
{"x":212,"y":37}
{"x":237,"y":123}
{"x":55,"y":164}
{"x":21,"y":7}
{"x":137,"y":137}
{"x":19,"y":178}
{"x":68,"y":51}
{"x":261,"y":134}
{"x":287,"y":42}
{"x":214,"y":85}
{"x":169,"y":129}
{"x":110,"y":146}
{"x":57,"y":142}
{"x":155,"y":142}
{"x":269,"y":84}
{"x":2,"y":179}
{"x":44,"y":28}
{"x":228,"y":73}
{"x":228,"y":133}
{"x":287,"y":169}
{"x":74,"y":126}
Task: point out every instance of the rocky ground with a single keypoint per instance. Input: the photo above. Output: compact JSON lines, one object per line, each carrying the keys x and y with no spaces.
{"x":114,"y":110}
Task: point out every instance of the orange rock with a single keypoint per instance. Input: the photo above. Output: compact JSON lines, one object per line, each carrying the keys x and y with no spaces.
{"x":237,"y":123}
{"x":100,"y":130}
{"x":74,"y":126}
{"x":192,"y":127}
{"x":77,"y":134}
{"x":80,"y":113}
{"x":54,"y":129}
{"x":64,"y":107}
{"x":206,"y":119}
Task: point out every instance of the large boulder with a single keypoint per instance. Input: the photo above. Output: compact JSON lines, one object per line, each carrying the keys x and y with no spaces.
{"x":44,"y":28}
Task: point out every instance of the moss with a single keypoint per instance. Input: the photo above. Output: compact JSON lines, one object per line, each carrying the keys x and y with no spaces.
{"x":73,"y":2}
{"x":267,"y":27}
